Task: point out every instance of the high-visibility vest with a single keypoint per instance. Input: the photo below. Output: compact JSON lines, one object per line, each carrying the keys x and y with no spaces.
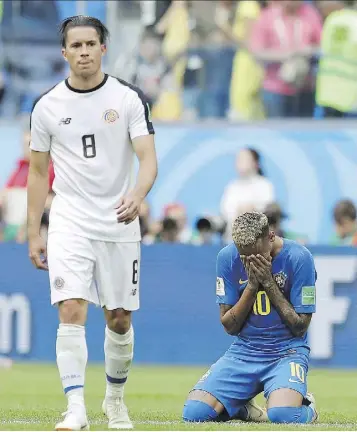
{"x":336,"y":84}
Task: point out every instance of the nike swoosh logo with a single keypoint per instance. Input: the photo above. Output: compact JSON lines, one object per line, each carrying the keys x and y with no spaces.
{"x":241,"y":282}
{"x":294,"y":381}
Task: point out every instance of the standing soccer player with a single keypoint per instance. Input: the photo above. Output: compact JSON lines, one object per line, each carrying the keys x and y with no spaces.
{"x":91,"y":125}
{"x":266,"y":293}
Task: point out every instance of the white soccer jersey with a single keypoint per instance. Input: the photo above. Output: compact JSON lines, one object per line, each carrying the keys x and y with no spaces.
{"x":88,"y":134}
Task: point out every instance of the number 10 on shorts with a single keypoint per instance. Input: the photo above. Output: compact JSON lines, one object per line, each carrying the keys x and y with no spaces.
{"x":297,"y":371}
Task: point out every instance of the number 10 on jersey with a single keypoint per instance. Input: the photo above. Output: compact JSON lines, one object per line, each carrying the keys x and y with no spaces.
{"x":262,"y":304}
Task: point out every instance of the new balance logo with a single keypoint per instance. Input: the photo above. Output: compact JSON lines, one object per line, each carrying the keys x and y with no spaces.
{"x":65,"y":121}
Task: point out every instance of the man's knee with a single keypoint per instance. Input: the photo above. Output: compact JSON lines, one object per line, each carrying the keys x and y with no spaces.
{"x":118,"y":320}
{"x":197,"y":411}
{"x":73,"y":311}
{"x":284,"y":414}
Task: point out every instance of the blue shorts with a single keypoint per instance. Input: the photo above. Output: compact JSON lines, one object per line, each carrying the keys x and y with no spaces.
{"x":233,"y":381}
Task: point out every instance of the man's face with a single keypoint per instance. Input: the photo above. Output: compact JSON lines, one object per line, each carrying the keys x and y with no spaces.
{"x":150,"y":49}
{"x":262,"y":247}
{"x":83,"y":51}
{"x":344,"y":226}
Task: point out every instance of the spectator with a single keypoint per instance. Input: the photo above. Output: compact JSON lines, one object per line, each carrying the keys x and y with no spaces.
{"x":14,"y":196}
{"x":208,"y":230}
{"x":149,"y":229}
{"x":150,"y":67}
{"x":169,"y":232}
{"x":218,"y":54}
{"x":204,"y":14}
{"x":29,"y":26}
{"x":177,"y":212}
{"x":285,"y":39}
{"x":175,"y":28}
{"x":204,"y":233}
{"x":326,"y":7}
{"x":168,"y":105}
{"x":152,"y":11}
{"x":345,"y":218}
{"x":250,"y":191}
{"x":275,"y":217}
{"x":192,"y":77}
{"x":336,"y":87}
{"x":247,"y":74}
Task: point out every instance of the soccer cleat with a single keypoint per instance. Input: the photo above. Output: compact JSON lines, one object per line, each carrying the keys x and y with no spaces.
{"x":310,"y":401}
{"x":255,"y":413}
{"x":75,"y":419}
{"x":117,"y":413}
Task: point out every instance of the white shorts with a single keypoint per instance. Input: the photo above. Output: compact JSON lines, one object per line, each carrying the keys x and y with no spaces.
{"x":103,"y":273}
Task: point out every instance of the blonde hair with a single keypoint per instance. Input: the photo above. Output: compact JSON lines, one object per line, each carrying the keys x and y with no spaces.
{"x":248,"y":228}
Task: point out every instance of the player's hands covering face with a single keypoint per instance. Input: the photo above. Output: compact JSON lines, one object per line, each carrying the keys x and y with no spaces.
{"x":252,"y":278}
{"x":128,"y":208}
{"x":261,"y":267}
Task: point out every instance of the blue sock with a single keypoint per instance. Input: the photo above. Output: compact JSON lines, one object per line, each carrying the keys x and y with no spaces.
{"x":197,"y":411}
{"x":303,"y":414}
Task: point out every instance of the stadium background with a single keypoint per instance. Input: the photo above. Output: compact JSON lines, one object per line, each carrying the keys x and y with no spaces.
{"x":311,"y":163}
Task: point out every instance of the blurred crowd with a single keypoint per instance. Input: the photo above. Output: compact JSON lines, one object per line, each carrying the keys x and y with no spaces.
{"x":246,"y":60}
{"x":236,"y":59}
{"x":250,"y":191}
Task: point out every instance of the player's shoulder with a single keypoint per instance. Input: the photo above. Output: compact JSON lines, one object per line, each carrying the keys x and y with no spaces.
{"x":45,"y":98}
{"x":126,"y":88}
{"x":228,"y":254}
{"x":297,"y":251}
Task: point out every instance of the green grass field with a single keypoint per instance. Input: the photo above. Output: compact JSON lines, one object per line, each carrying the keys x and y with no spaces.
{"x":31,"y":399}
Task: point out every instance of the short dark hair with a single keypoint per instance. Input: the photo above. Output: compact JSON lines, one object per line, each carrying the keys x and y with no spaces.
{"x":169,"y":224}
{"x":344,"y":209}
{"x":257,"y":160}
{"x":83,"y":21}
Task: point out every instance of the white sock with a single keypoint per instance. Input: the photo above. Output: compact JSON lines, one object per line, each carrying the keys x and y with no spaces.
{"x":118,"y":350}
{"x":72,"y":355}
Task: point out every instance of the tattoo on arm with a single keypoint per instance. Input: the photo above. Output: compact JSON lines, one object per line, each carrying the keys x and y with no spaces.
{"x":223,"y":309}
{"x":297,"y":323}
{"x":234,"y":317}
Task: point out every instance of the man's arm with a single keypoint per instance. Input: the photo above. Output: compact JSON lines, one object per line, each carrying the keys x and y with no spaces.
{"x":144,"y":147}
{"x":37,"y":182}
{"x":234,"y":317}
{"x":37,"y":191}
{"x":297,"y":323}
{"x":141,"y":132}
{"x":234,"y":313}
{"x":129,"y":206}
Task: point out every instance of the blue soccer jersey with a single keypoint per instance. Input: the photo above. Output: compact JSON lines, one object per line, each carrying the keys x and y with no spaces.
{"x":264,"y":333}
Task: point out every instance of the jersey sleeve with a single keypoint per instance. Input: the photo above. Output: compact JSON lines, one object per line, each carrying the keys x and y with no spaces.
{"x":303,"y":290}
{"x":226,"y":291}
{"x":139,"y":115}
{"x":40,"y":137}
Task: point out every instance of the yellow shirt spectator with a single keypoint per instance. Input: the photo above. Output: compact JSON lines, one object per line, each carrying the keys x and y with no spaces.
{"x":247,"y":74}
{"x":175,"y":26}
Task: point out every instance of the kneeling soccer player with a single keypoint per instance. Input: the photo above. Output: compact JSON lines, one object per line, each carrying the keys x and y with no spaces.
{"x":266,"y":293}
